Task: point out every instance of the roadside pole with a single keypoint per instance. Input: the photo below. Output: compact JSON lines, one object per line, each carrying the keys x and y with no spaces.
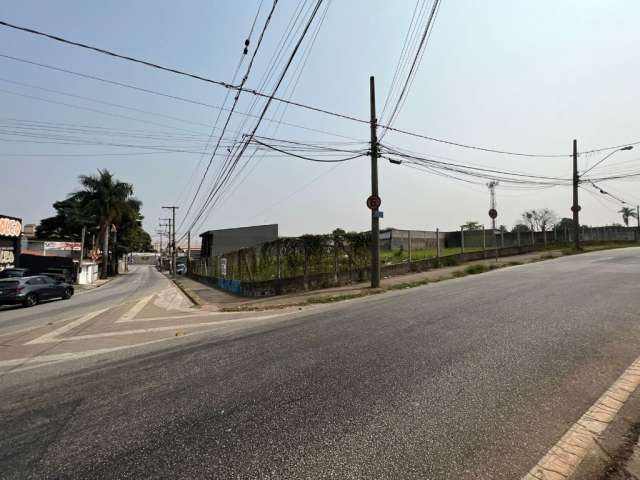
{"x":172,"y":233}
{"x":409,"y":240}
{"x":84,"y":232}
{"x":461,"y":239}
{"x":638,"y":219}
{"x":576,"y":207}
{"x":438,"y":246}
{"x":375,"y":204}
{"x":484,"y":242}
{"x":495,"y":240}
{"x":188,"y":252}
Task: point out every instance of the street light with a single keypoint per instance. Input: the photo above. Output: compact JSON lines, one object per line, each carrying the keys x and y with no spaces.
{"x":628,"y":147}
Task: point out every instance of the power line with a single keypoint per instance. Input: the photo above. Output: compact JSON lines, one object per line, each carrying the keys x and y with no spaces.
{"x":337,"y":160}
{"x":241,"y":151}
{"x":413,"y":68}
{"x":233,"y":107}
{"x":176,"y":71}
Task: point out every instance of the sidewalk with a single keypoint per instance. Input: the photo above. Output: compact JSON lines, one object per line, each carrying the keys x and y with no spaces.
{"x":212,"y":298}
{"x":100,"y":282}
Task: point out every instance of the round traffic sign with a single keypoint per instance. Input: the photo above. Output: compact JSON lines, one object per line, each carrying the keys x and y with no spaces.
{"x":493,"y":213}
{"x":374,"y":202}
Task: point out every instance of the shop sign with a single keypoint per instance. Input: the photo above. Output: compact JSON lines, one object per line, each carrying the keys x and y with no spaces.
{"x":10,"y":227}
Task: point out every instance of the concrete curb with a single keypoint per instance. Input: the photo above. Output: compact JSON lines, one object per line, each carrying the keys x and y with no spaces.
{"x":190,"y":294}
{"x":598,"y":442}
{"x":610,"y":455}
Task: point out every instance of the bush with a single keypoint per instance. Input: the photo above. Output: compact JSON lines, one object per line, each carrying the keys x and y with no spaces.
{"x":477,"y":268}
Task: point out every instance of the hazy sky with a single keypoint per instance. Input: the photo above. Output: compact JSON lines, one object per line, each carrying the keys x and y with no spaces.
{"x":515,"y":75}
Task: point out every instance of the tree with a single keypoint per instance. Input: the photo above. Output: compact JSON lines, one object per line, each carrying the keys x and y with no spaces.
{"x":471,"y":225}
{"x":565,"y":222}
{"x":626,"y":214}
{"x":539,"y":219}
{"x":102,"y":202}
{"x":520,"y":227}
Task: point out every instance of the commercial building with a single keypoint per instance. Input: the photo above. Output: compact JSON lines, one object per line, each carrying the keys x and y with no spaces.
{"x":10,"y":233}
{"x":219,"y":242}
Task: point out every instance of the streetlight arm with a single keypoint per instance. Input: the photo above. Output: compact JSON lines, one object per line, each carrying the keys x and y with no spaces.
{"x":606,"y":156}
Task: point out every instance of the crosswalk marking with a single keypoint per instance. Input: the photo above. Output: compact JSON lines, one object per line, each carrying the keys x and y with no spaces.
{"x":51,"y":336}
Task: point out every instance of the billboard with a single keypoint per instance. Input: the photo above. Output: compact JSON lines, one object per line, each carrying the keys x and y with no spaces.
{"x":66,"y":246}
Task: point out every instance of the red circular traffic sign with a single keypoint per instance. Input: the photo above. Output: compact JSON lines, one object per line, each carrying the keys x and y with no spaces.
{"x":493,"y":213}
{"x":374,"y":202}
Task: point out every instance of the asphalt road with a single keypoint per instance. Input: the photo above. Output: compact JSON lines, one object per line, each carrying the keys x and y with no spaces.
{"x":473,"y":378}
{"x":141,"y":280}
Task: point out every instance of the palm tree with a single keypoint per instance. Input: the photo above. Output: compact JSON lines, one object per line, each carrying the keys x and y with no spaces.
{"x":626,"y":214}
{"x":109,"y":201}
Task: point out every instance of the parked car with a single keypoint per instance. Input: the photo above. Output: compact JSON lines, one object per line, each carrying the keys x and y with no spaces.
{"x":181,"y":269}
{"x":29,"y":291}
{"x":14,"y":272}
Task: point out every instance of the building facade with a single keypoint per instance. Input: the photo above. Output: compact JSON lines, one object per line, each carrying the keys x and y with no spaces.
{"x":219,"y":242}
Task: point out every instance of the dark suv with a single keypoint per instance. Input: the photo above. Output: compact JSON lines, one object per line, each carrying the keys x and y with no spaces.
{"x":13,"y":272}
{"x":28,"y":291}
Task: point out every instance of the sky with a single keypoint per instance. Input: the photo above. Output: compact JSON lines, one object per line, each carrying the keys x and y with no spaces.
{"x":510,"y":75}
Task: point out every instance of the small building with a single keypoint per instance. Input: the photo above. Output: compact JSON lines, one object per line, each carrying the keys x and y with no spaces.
{"x":10,"y":233}
{"x":219,"y":242}
{"x":29,"y":231}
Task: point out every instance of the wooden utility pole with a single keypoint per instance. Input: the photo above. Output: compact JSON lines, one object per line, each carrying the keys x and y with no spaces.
{"x":576,"y":207}
{"x":172,"y":232}
{"x":375,"y":215}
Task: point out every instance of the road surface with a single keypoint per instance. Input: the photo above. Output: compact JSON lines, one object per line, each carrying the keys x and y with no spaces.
{"x":473,"y":378}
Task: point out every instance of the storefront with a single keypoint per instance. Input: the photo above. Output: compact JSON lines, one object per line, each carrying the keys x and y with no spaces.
{"x":10,"y":232}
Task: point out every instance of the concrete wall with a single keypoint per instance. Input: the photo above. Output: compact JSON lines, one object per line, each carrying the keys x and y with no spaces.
{"x":282,"y":286}
{"x":395,"y":239}
{"x":88,"y":274}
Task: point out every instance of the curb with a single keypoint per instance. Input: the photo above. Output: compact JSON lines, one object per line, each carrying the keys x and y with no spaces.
{"x":597,"y":444}
{"x":611,"y":452}
{"x":190,"y":294}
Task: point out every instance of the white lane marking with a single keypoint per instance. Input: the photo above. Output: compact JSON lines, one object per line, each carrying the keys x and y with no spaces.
{"x":565,"y":456}
{"x":51,"y":336}
{"x":152,"y":329}
{"x":46,"y":360}
{"x":169,"y":317}
{"x":135,"y":310}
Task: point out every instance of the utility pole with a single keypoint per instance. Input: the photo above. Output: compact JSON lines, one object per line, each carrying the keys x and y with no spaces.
{"x":638,"y":220}
{"x":168,"y":234}
{"x":189,"y":252}
{"x":375,"y":214}
{"x":492,"y":193}
{"x":84,"y":232}
{"x":173,"y":239}
{"x":576,"y":207}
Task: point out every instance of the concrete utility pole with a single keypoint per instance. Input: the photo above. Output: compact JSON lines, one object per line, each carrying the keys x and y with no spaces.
{"x":638,"y":220}
{"x":576,"y":207}
{"x":173,"y":239}
{"x":189,"y":252}
{"x":375,"y":215}
{"x":167,"y":249}
{"x":492,"y":194}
